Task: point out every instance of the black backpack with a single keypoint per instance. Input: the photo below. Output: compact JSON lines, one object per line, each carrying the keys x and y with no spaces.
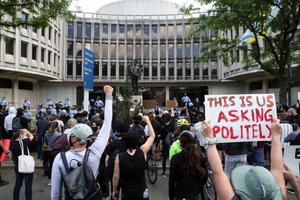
{"x":16,"y":124}
{"x":80,"y":182}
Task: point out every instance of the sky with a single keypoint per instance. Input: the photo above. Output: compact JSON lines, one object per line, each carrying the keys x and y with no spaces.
{"x":93,"y":5}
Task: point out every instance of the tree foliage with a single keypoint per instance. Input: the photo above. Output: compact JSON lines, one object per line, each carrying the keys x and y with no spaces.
{"x":275,"y":45}
{"x":42,"y":11}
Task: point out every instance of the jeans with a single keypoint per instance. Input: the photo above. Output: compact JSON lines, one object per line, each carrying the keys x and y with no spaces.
{"x":232,"y":162}
{"x":28,"y":185}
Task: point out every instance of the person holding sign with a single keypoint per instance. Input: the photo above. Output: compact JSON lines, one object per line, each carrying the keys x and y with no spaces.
{"x":248,"y":182}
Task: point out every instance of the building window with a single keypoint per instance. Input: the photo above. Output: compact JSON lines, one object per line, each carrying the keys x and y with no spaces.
{"x":171,"y":32}
{"x":171,"y":50}
{"x":42,"y":55}
{"x":196,"y":50}
{"x":34,"y":50}
{"x":154,"y":51}
{"x":69,"y":68}
{"x":163,"y":71}
{"x":5,"y":83}
{"x":113,"y":51}
{"x":138,"y":51}
{"x":25,"y":85}
{"x":78,"y":49}
{"x":70,"y":29}
{"x":96,"y":31}
{"x":146,"y":70}
{"x":43,"y":31}
{"x":162,"y":51}
{"x":24,"y":49}
{"x":70,"y":48}
{"x":24,"y":18}
{"x":196,"y":71}
{"x":9,"y":45}
{"x":105,"y":31}
{"x":113,"y":70}
{"x":49,"y":57}
{"x":121,"y":31}
{"x":96,"y":50}
{"x":121,"y":71}
{"x":179,"y":51}
{"x":104,"y":69}
{"x":96,"y":69}
{"x":78,"y":68}
{"x":50,"y":33}
{"x":122,"y":51}
{"x":113,"y":28}
{"x":257,"y":85}
{"x":138,"y":29}
{"x":154,"y":70}
{"x":104,"y":50}
{"x":179,"y":71}
{"x":146,"y":51}
{"x":129,"y":31}
{"x":205,"y":70}
{"x":129,"y":51}
{"x":88,"y":30}
{"x":188,"y":51}
{"x":188,"y":73}
{"x":162,"y":31}
{"x":171,"y":71}
{"x":79,"y":29}
{"x":146,"y":30}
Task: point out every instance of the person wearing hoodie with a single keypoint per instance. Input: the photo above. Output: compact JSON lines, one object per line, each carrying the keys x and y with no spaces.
{"x":12,"y":112}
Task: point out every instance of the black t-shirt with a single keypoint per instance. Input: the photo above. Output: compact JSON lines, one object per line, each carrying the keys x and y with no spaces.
{"x":132,"y":175}
{"x":15,"y":149}
{"x":183,"y":184}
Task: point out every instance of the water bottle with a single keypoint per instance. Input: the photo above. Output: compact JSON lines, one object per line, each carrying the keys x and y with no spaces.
{"x":146,"y":194}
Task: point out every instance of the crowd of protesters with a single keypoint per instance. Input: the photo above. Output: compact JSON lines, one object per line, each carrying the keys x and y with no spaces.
{"x":118,"y":150}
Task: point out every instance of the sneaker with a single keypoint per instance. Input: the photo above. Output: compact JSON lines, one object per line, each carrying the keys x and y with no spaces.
{"x":164,"y":175}
{"x":2,"y":183}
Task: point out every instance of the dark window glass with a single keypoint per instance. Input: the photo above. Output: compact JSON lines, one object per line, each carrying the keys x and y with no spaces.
{"x":5,"y":83}
{"x":24,"y":49}
{"x":88,"y":30}
{"x":96,"y":69}
{"x":162,"y":71}
{"x":104,"y":69}
{"x":113,"y":28}
{"x":121,"y":71}
{"x":49,"y":57}
{"x":257,"y":85}
{"x":43,"y":32}
{"x":42,"y":55}
{"x":129,"y":31}
{"x":78,"y":68}
{"x":154,"y":70}
{"x":171,"y":71}
{"x":25,"y":85}
{"x":96,"y":31}
{"x":113,"y":70}
{"x":70,"y":29}
{"x":70,"y":48}
{"x":188,"y":71}
{"x":105,"y":31}
{"x":69,"y":68}
{"x":146,"y":70}
{"x":79,"y":29}
{"x":146,"y":30}
{"x":205,"y":70}
{"x":50,"y":33}
{"x":179,"y":70}
{"x":78,"y":49}
{"x":154,"y":28}
{"x":9,"y":45}
{"x":34,"y":50}
{"x":122,"y":28}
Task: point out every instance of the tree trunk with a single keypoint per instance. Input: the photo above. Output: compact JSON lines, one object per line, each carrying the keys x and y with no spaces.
{"x":283,"y":88}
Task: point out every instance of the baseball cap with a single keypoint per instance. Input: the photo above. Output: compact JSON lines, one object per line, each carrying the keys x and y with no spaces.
{"x":255,"y":182}
{"x":82,"y":131}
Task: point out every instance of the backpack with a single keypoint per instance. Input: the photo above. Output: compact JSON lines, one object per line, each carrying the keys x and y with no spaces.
{"x":60,"y":144}
{"x":80,"y":182}
{"x":16,"y":124}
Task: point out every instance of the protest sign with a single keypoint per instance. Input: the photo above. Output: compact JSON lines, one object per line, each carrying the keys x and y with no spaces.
{"x":241,"y":118}
{"x":292,"y":158}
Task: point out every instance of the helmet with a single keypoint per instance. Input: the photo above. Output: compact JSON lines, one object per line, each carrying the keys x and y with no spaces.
{"x":182,"y":122}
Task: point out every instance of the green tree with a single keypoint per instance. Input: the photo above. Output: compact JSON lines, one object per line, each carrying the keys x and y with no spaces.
{"x":43,"y":11}
{"x":274,"y":37}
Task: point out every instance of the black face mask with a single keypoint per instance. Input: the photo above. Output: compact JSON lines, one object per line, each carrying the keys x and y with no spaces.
{"x":95,"y":129}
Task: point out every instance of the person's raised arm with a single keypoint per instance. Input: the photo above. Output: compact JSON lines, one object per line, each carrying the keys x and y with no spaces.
{"x":100,"y":143}
{"x":146,"y":147}
{"x":221,"y":181}
{"x":276,"y":156}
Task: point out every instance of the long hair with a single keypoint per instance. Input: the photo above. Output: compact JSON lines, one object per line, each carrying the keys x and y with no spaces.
{"x":53,"y":127}
{"x":193,"y":155}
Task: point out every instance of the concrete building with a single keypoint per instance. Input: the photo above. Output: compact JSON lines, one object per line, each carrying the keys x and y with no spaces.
{"x":49,"y":62}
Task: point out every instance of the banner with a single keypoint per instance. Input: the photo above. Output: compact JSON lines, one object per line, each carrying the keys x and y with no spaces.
{"x":292,"y":158}
{"x":241,"y":118}
{"x":88,"y":71}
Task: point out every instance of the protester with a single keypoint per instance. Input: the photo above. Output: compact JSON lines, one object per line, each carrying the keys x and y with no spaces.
{"x":42,"y":125}
{"x":15,"y":148}
{"x":2,"y":149}
{"x":50,"y":137}
{"x":188,"y":172}
{"x":80,"y":134}
{"x":294,"y":137}
{"x":129,"y":171}
{"x":8,"y":122}
{"x":248,"y":182}
{"x":292,"y":180}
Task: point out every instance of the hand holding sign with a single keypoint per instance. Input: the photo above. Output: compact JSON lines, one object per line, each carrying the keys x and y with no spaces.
{"x":207,"y":130}
{"x":276,"y":128}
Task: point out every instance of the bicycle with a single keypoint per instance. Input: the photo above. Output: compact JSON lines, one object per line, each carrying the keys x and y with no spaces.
{"x":151,"y":168}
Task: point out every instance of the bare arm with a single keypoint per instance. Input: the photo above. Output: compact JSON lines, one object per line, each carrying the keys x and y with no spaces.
{"x":293,"y":180}
{"x":276,"y":156}
{"x":146,"y":147}
{"x":221,"y":181}
{"x":27,"y":134}
{"x":2,"y":147}
{"x":116,"y":177}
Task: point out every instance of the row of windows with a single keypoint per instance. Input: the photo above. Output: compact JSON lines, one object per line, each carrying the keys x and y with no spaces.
{"x":183,"y":72}
{"x":52,"y":34}
{"x":23,"y":85}
{"x":10,"y":48}
{"x":131,"y":30}
{"x":123,"y":51}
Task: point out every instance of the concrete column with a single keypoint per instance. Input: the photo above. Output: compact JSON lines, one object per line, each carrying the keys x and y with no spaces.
{"x":167,"y":93}
{"x":15,"y":94}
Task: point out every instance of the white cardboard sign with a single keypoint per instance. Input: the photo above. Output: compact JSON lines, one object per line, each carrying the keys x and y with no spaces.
{"x":241,"y":118}
{"x":292,"y":158}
